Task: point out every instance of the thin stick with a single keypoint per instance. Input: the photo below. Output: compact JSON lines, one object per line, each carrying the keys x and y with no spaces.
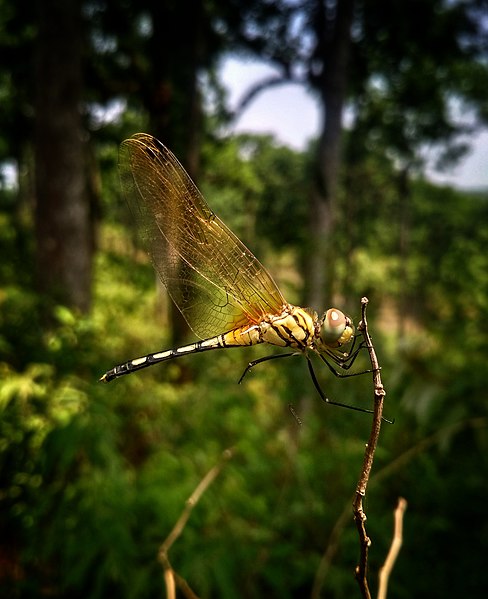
{"x":171,"y":578}
{"x":396,"y":544}
{"x":400,"y":462}
{"x":359,"y":514}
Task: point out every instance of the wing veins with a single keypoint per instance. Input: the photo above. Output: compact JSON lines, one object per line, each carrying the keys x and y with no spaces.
{"x":198,"y":237}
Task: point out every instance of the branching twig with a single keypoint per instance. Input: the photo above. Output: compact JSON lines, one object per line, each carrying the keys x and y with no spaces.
{"x":396,"y":543}
{"x":359,"y":514}
{"x":171,"y":578}
{"x":400,"y":462}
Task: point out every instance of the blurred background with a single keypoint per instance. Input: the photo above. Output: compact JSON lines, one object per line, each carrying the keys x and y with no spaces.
{"x":334,"y":138}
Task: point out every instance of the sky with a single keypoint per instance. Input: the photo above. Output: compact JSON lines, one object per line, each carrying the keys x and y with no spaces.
{"x":291,"y":114}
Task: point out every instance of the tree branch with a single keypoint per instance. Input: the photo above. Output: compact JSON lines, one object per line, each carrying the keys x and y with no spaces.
{"x":359,"y":514}
{"x":260,"y":86}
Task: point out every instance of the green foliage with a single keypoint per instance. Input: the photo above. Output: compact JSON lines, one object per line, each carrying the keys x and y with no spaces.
{"x":405,"y":77}
{"x":259,"y":188}
{"x":94,"y":477}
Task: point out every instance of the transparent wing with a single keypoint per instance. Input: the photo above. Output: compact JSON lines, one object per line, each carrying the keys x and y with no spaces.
{"x":212,"y":277}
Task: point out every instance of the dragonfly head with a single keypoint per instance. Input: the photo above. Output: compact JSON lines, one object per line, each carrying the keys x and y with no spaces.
{"x":336,"y":328}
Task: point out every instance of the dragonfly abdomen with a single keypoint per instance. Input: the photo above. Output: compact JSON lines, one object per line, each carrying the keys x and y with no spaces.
{"x":235,"y":338}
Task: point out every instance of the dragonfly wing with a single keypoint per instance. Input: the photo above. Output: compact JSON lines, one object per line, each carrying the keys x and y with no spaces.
{"x":215,"y":281}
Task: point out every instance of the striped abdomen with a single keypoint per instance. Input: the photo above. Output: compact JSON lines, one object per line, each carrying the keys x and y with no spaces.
{"x":294,"y":327}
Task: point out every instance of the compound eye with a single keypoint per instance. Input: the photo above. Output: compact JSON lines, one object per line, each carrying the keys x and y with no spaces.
{"x":337,"y":328}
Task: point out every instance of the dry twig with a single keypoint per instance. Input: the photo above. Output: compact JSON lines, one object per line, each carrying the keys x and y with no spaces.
{"x":397,"y":464}
{"x":171,"y":578}
{"x":359,"y":514}
{"x":396,"y":544}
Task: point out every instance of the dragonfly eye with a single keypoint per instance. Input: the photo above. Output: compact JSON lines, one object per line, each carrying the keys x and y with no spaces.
{"x":337,"y":328}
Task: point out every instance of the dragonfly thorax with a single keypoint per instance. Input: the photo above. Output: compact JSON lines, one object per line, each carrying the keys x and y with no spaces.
{"x":293,"y":327}
{"x":335,"y":328}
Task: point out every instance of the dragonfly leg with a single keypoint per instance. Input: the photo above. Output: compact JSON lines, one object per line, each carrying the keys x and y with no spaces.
{"x":343,"y":363}
{"x":324,"y":398}
{"x":347,"y":361}
{"x":254,"y":363}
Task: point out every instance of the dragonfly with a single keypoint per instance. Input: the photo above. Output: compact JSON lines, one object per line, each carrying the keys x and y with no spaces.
{"x":227,"y":297}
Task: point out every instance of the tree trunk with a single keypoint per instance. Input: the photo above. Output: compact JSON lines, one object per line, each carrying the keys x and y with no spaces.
{"x":330,"y":60}
{"x":62,"y":217}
